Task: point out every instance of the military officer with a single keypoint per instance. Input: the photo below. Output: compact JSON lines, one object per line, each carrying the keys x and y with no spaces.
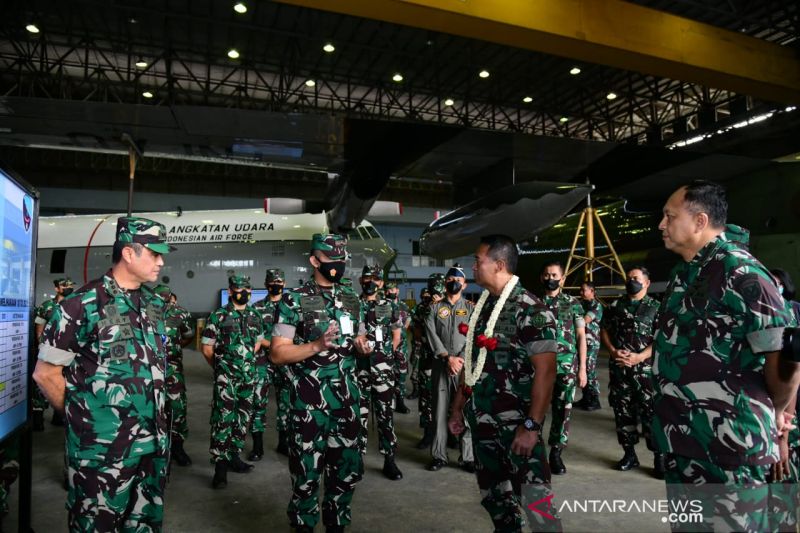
{"x":103,"y":362}
{"x":63,"y":288}
{"x":593,"y":309}
{"x":274,"y":375}
{"x":230,"y":342}
{"x":627,"y":334}
{"x":376,"y":373}
{"x":400,"y":356}
{"x":447,"y":342}
{"x":317,"y":337}
{"x":717,"y":373}
{"x":571,"y":359}
{"x":508,"y":375}
{"x":425,"y":363}
{"x":417,"y":322}
{"x":179,"y":334}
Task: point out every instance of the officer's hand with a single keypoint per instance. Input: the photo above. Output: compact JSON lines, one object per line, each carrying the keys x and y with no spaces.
{"x":455,"y":364}
{"x":328,"y":339}
{"x":781,"y":468}
{"x":362,"y":345}
{"x":524,"y":442}
{"x":456,"y":422}
{"x":621,"y":357}
{"x":582,"y":379}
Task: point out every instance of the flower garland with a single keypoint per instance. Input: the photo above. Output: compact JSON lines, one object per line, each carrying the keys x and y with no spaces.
{"x":470,"y":376}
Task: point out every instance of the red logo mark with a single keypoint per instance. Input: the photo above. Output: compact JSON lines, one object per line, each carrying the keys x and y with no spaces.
{"x":549,"y":499}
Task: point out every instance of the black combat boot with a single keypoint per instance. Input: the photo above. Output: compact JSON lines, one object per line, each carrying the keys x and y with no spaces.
{"x":629,"y":460}
{"x":179,"y":455}
{"x":557,"y":467}
{"x":38,"y":420}
{"x":304,"y":529}
{"x":593,"y":403}
{"x":220,"y":480}
{"x":400,"y":406}
{"x":283,"y":446}
{"x":238,"y":466}
{"x":334,"y":529}
{"x":659,"y":465}
{"x":414,"y":392}
{"x":258,"y":447}
{"x":390,"y":470}
{"x":427,"y":439}
{"x":57,"y":419}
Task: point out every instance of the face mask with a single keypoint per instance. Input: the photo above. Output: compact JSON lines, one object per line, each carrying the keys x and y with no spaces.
{"x":66,"y":292}
{"x":333,"y":271}
{"x":551,"y":284}
{"x":392,"y":295}
{"x":453,"y":287}
{"x":275,"y":290}
{"x":241,"y":297}
{"x":780,"y":290}
{"x":369,"y":287}
{"x":633,"y":287}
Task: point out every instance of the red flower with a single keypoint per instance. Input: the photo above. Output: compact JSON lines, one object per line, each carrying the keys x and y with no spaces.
{"x":467,"y":390}
{"x":463,"y":328}
{"x":482,"y":341}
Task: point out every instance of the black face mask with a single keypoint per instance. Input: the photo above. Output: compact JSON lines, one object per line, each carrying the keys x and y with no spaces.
{"x":551,"y":284}
{"x":275,"y":290}
{"x":453,"y":287}
{"x":240,"y":297}
{"x":66,"y":292}
{"x":333,"y":271}
{"x":369,"y":288}
{"x":392,"y":295}
{"x":633,"y":287}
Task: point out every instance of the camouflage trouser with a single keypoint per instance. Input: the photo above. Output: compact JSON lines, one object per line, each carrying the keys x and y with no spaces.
{"x":784,"y":495}
{"x":323,"y":442}
{"x":725,"y":500}
{"x":425,"y":376}
{"x":413,"y":363}
{"x":280,"y":384}
{"x":630,"y":393}
{"x":563,"y":394}
{"x":258,"y":423}
{"x":230,"y":416}
{"x":378,"y":390}
{"x":9,"y":470}
{"x":400,"y":373}
{"x":176,"y":400}
{"x":592,"y":388}
{"x":508,"y":482}
{"x":126,"y":495}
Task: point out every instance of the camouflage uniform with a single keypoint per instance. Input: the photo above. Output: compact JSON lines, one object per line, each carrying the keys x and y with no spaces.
{"x":111,"y":343}
{"x":712,"y":412}
{"x":425,"y":358}
{"x":234,"y":335}
{"x":269,"y":374}
{"x":376,"y":372}
{"x":498,"y":405}
{"x":569,"y":318}
{"x":631,"y":325}
{"x":177,"y":320}
{"x":324,"y":393}
{"x":43,"y":314}
{"x":401,"y":359}
{"x":593,"y":309}
{"x":9,"y":471}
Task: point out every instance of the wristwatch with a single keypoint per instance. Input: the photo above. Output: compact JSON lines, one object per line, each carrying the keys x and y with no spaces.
{"x":532,"y":425}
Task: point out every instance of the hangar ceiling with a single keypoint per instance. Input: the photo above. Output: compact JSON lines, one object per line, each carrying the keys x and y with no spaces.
{"x":529,"y":117}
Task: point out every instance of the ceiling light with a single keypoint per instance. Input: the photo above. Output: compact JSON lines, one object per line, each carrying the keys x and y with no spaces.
{"x":449,"y":102}
{"x":397,"y":77}
{"x":133,"y":20}
{"x":483,"y":74}
{"x":527,"y":99}
{"x":147,"y":94}
{"x":310,"y":83}
{"x":575,"y":71}
{"x":33,"y":28}
{"x":611,"y":96}
{"x":328,"y":48}
{"x":563,"y":119}
{"x":141,"y":63}
{"x":240,"y":8}
{"x":233,"y":53}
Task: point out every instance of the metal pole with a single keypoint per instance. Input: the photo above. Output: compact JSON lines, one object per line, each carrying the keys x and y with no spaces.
{"x":131,"y":175}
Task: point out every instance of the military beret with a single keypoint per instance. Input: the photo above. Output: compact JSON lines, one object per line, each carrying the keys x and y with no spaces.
{"x":331,"y":244}
{"x":144,"y":231}
{"x":274,"y":274}
{"x":239,"y":282}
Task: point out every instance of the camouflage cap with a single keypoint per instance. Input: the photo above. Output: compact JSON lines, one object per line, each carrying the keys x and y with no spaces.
{"x":274,"y":274}
{"x":390,"y":285}
{"x":162,"y":291}
{"x":331,"y":244}
{"x":373,"y":271}
{"x":144,"y":231}
{"x":239,"y":282}
{"x":436,"y":283}
{"x":66,"y":282}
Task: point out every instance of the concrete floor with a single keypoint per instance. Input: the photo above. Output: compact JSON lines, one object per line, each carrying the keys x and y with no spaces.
{"x":442,"y":501}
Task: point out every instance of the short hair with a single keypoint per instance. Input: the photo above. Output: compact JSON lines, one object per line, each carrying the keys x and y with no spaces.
{"x":116,"y":251}
{"x":640,"y":267}
{"x":588,"y":283}
{"x":502,"y":248}
{"x":553,"y":264}
{"x":703,"y":196}
{"x":789,"y":290}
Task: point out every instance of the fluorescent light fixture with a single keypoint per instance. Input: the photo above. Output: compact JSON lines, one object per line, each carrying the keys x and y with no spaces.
{"x":575,"y":71}
{"x":483,"y":74}
{"x":147,"y":94}
{"x":563,"y":119}
{"x":527,"y":99}
{"x":33,"y":28}
{"x":397,"y":77}
{"x":328,"y":48}
{"x":449,"y":102}
{"x":611,"y":96}
{"x":310,"y":83}
{"x":141,"y":63}
{"x":233,"y":53}
{"x":240,"y":8}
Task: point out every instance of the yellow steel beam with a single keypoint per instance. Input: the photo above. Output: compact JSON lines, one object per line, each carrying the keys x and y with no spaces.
{"x":608,"y":32}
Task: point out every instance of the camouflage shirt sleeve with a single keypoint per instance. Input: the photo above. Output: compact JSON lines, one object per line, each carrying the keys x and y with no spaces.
{"x":753,"y":296}
{"x":288,"y":317}
{"x":186,"y":330}
{"x":577,"y":310}
{"x":40,"y":314}
{"x":66,"y":333}
{"x":397,"y":319}
{"x":536,"y":326}
{"x":212,"y":328}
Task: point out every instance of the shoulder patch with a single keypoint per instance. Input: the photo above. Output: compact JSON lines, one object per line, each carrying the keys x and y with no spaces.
{"x":540,"y":320}
{"x":461,"y":312}
{"x":443,"y":312}
{"x":749,"y":286}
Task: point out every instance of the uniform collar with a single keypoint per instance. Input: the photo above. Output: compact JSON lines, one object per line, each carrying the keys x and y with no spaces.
{"x":732,"y":234}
